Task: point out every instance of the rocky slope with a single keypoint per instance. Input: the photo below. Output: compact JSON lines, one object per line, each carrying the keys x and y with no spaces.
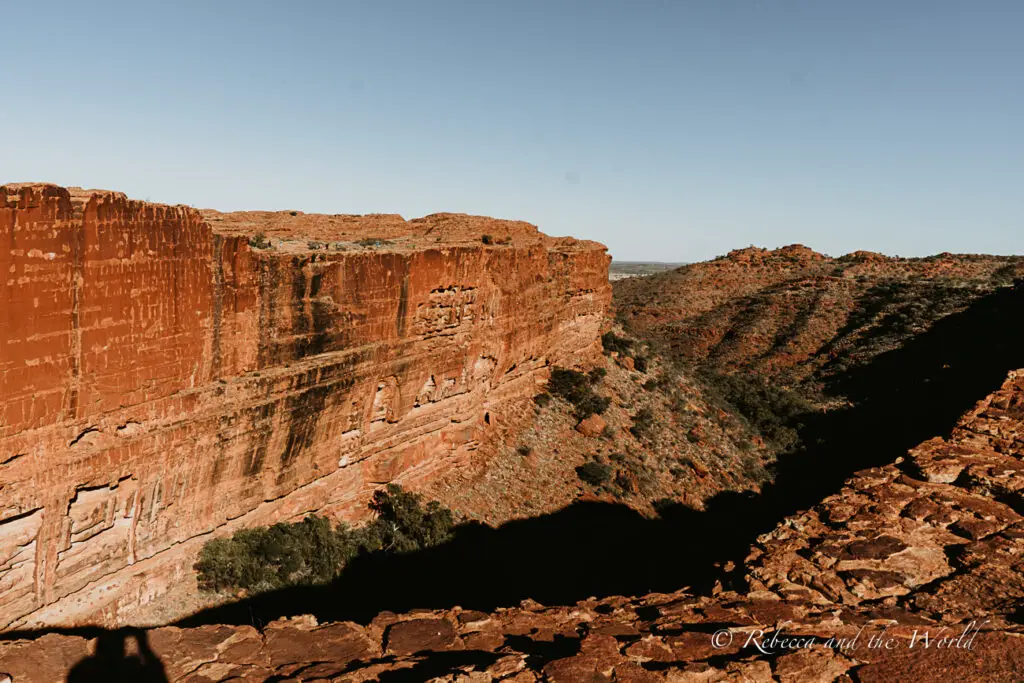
{"x":911,"y":572}
{"x":799,"y":316}
{"x":167,"y":374}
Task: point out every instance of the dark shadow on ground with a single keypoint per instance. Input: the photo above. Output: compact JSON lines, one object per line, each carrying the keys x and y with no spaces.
{"x":113,"y":663}
{"x":901,"y":398}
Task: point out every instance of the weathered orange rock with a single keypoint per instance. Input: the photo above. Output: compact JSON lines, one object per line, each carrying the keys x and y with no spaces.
{"x":592,"y":426}
{"x":160,"y":379}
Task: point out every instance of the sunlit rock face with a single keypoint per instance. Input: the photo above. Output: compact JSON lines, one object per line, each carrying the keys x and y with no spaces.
{"x":162,"y":380}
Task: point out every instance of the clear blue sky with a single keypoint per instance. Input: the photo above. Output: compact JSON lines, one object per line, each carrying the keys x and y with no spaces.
{"x":669,"y":130}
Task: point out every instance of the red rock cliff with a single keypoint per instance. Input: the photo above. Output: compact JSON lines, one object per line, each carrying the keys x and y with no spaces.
{"x":161,"y":381}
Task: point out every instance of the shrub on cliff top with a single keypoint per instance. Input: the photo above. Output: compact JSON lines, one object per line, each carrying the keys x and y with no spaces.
{"x":373,"y":242}
{"x":259,"y":241}
{"x":311,"y":552}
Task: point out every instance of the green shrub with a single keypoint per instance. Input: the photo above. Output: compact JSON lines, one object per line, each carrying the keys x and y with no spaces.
{"x":594,"y":473}
{"x":487,"y":239}
{"x":1005,"y":276}
{"x":771,"y":410}
{"x":613,"y":342}
{"x":311,"y":552}
{"x":591,"y":404}
{"x":403,"y":524}
{"x":643,"y":423}
{"x":542,"y":399}
{"x":373,"y":242}
{"x":575,"y":387}
{"x":597,"y":374}
{"x":569,"y":384}
{"x":524,"y":450}
{"x":259,"y":241}
{"x":640,"y":363}
{"x":266,"y":558}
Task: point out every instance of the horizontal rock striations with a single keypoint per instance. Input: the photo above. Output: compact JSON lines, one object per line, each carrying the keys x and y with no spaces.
{"x":166,"y":376}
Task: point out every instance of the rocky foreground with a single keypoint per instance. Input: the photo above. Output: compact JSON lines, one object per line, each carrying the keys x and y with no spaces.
{"x":913,"y":571}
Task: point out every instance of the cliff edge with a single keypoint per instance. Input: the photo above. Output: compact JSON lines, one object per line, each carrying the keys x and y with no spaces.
{"x":169,"y":374}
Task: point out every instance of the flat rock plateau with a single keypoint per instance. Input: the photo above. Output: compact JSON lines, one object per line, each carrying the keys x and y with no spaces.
{"x":815,"y":463}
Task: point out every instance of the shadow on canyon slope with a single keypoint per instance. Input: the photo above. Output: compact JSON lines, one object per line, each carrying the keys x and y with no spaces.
{"x":901,"y":398}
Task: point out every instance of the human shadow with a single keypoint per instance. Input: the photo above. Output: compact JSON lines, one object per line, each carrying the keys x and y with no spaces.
{"x":899,"y":399}
{"x":111,"y":661}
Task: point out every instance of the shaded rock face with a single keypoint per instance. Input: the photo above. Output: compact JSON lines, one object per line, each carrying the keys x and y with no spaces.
{"x":939,"y":532}
{"x":161,"y":380}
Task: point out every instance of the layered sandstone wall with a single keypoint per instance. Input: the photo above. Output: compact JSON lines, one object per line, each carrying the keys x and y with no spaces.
{"x":161,"y":381}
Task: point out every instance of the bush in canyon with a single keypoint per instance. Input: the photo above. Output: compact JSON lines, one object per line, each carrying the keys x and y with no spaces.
{"x":643,"y":423}
{"x":404,"y":523}
{"x":307,"y":552}
{"x":595,"y":473}
{"x":312,"y":552}
{"x":613,"y":342}
{"x":576,"y":388}
{"x":772,"y":411}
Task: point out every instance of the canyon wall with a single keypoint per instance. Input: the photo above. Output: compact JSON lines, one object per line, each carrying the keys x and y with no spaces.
{"x":161,"y":381}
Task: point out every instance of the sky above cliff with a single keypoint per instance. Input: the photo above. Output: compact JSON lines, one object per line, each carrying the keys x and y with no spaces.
{"x":669,"y":130}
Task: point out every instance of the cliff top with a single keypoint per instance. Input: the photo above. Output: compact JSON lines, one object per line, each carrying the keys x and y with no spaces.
{"x":297,"y":230}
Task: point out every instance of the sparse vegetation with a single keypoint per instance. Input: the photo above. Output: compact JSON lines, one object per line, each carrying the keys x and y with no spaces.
{"x":770,"y":410}
{"x":487,"y":239}
{"x":643,"y":423}
{"x":314,"y":245}
{"x":373,"y":242}
{"x":1005,"y":276}
{"x":259,"y":241}
{"x":542,"y":399}
{"x":524,"y":450}
{"x":312,"y":552}
{"x":613,"y":342}
{"x":595,"y":473}
{"x":575,"y":387}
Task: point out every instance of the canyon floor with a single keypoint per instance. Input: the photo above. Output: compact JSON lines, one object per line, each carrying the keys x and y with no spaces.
{"x":811,"y":471}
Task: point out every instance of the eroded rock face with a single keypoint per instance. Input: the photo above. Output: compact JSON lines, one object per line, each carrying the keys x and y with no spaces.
{"x":161,"y":380}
